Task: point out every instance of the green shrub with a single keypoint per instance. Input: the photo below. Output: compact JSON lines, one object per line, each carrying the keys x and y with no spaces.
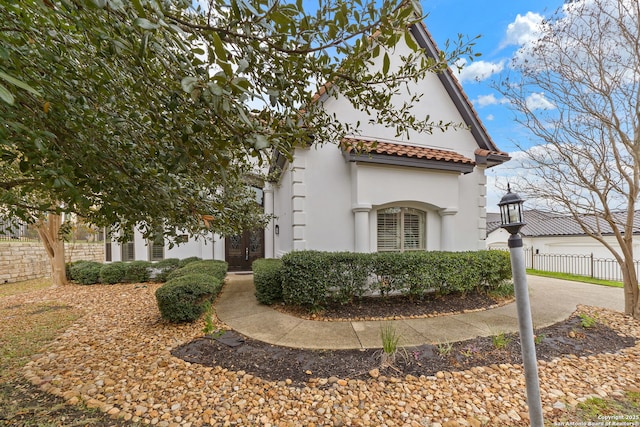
{"x":185,"y":298}
{"x":311,"y":278}
{"x":68,"y":265}
{"x":215,"y":268}
{"x":113,"y":273}
{"x":137,"y":272}
{"x":304,"y":281}
{"x":86,"y":273}
{"x":347,"y":275}
{"x":185,"y":261}
{"x":162,"y":269}
{"x":267,"y":277}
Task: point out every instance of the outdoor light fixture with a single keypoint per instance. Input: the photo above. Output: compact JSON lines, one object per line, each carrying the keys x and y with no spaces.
{"x":512,"y":221}
{"x":511,"y":212}
{"x":277,"y":229}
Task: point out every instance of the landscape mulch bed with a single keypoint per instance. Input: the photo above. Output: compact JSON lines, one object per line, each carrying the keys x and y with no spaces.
{"x":276,"y":363}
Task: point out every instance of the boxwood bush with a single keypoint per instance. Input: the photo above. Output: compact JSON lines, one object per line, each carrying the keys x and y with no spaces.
{"x":137,"y":272}
{"x":267,"y":278}
{"x":185,"y":261}
{"x":113,"y":273}
{"x":311,"y":278}
{"x":186,"y":298}
{"x":85,"y":273}
{"x":215,"y":268}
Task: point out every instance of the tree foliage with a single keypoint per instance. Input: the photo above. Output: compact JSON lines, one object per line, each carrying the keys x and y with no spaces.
{"x":585,"y":68}
{"x":155,"y":112}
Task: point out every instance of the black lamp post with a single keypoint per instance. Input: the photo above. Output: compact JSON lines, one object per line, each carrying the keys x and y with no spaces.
{"x":513,"y":220}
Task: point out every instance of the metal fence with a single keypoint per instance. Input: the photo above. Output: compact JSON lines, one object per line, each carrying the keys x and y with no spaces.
{"x":22,"y":232}
{"x":580,"y":265}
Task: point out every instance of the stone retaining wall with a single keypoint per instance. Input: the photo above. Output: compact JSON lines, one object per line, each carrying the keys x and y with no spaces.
{"x":28,"y":260}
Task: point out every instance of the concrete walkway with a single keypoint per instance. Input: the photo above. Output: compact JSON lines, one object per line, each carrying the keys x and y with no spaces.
{"x":552,"y":300}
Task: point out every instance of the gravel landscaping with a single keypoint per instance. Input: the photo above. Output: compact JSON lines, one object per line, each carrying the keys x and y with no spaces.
{"x":117,"y":358}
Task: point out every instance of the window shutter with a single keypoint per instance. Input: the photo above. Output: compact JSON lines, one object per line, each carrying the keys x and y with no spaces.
{"x":389,"y":230}
{"x":413,"y":230}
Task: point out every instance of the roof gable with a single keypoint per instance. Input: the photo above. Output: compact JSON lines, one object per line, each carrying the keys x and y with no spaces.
{"x":459,"y":98}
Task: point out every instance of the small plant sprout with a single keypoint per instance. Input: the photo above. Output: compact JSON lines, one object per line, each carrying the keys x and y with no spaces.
{"x":209,"y":328}
{"x":500,"y":341}
{"x":444,"y":348}
{"x":469,"y":351}
{"x":537,"y":339}
{"x":587,"y":321}
{"x":390,"y":340}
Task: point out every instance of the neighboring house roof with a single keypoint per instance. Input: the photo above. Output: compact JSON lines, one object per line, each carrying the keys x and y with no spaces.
{"x":542,"y":224}
{"x":371,"y":151}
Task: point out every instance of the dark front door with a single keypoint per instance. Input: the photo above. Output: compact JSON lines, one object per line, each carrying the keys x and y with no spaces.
{"x":243,"y":248}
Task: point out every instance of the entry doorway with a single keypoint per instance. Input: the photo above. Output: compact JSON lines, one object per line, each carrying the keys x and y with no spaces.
{"x":242,"y":249}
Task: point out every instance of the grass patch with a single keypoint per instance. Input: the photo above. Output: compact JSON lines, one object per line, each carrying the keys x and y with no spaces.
{"x":575,"y":278}
{"x":26,"y":328}
{"x":597,"y":410}
{"x":8,"y":289}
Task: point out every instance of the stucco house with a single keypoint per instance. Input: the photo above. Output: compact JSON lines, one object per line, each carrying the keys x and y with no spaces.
{"x":425,"y":192}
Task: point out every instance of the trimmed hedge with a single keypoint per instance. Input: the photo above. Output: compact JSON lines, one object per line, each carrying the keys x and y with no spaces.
{"x":137,"y":272}
{"x":186,"y":298}
{"x":161,"y":269}
{"x":113,"y":273}
{"x":267,"y":278}
{"x":215,"y":268}
{"x":311,"y":278}
{"x":85,"y":273}
{"x":185,"y":261}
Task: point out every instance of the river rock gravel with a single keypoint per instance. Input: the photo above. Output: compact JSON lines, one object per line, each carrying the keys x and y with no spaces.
{"x":117,"y":358}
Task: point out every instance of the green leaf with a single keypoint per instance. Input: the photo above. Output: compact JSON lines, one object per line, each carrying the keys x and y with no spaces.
{"x":145,"y":24}
{"x":6,"y":77}
{"x":409,"y":40}
{"x":221,"y":52}
{"x":386,"y":63}
{"x":138,"y":7}
{"x":188,"y":83}
{"x":6,"y":96}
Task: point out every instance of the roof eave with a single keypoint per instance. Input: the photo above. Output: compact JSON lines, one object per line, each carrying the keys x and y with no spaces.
{"x":384,"y":159}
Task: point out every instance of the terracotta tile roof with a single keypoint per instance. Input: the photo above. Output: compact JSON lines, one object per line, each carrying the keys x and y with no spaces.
{"x":402,"y":150}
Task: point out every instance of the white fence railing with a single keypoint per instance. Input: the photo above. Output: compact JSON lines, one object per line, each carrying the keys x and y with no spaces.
{"x":580,"y":265}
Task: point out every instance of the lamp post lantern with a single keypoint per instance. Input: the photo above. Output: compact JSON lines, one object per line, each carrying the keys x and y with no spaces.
{"x":512,"y":219}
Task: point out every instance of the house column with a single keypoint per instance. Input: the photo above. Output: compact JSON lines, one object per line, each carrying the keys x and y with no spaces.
{"x":269,"y":248}
{"x":361,"y":222}
{"x":218,"y":247}
{"x":447,"y":228}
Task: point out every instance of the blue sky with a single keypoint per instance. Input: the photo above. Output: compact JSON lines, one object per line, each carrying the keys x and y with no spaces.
{"x":503,"y":27}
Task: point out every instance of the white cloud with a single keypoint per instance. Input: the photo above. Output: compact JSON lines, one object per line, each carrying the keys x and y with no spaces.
{"x":537,"y":101}
{"x":484,"y":100}
{"x":523,"y":30}
{"x":490,"y":118}
{"x":478,"y":70}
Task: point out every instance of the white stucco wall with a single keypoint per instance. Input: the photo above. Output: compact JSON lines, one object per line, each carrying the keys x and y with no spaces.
{"x":319,"y":192}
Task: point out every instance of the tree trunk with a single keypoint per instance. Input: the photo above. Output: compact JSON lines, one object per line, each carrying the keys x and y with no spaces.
{"x":49,"y":232}
{"x":631,"y":291}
